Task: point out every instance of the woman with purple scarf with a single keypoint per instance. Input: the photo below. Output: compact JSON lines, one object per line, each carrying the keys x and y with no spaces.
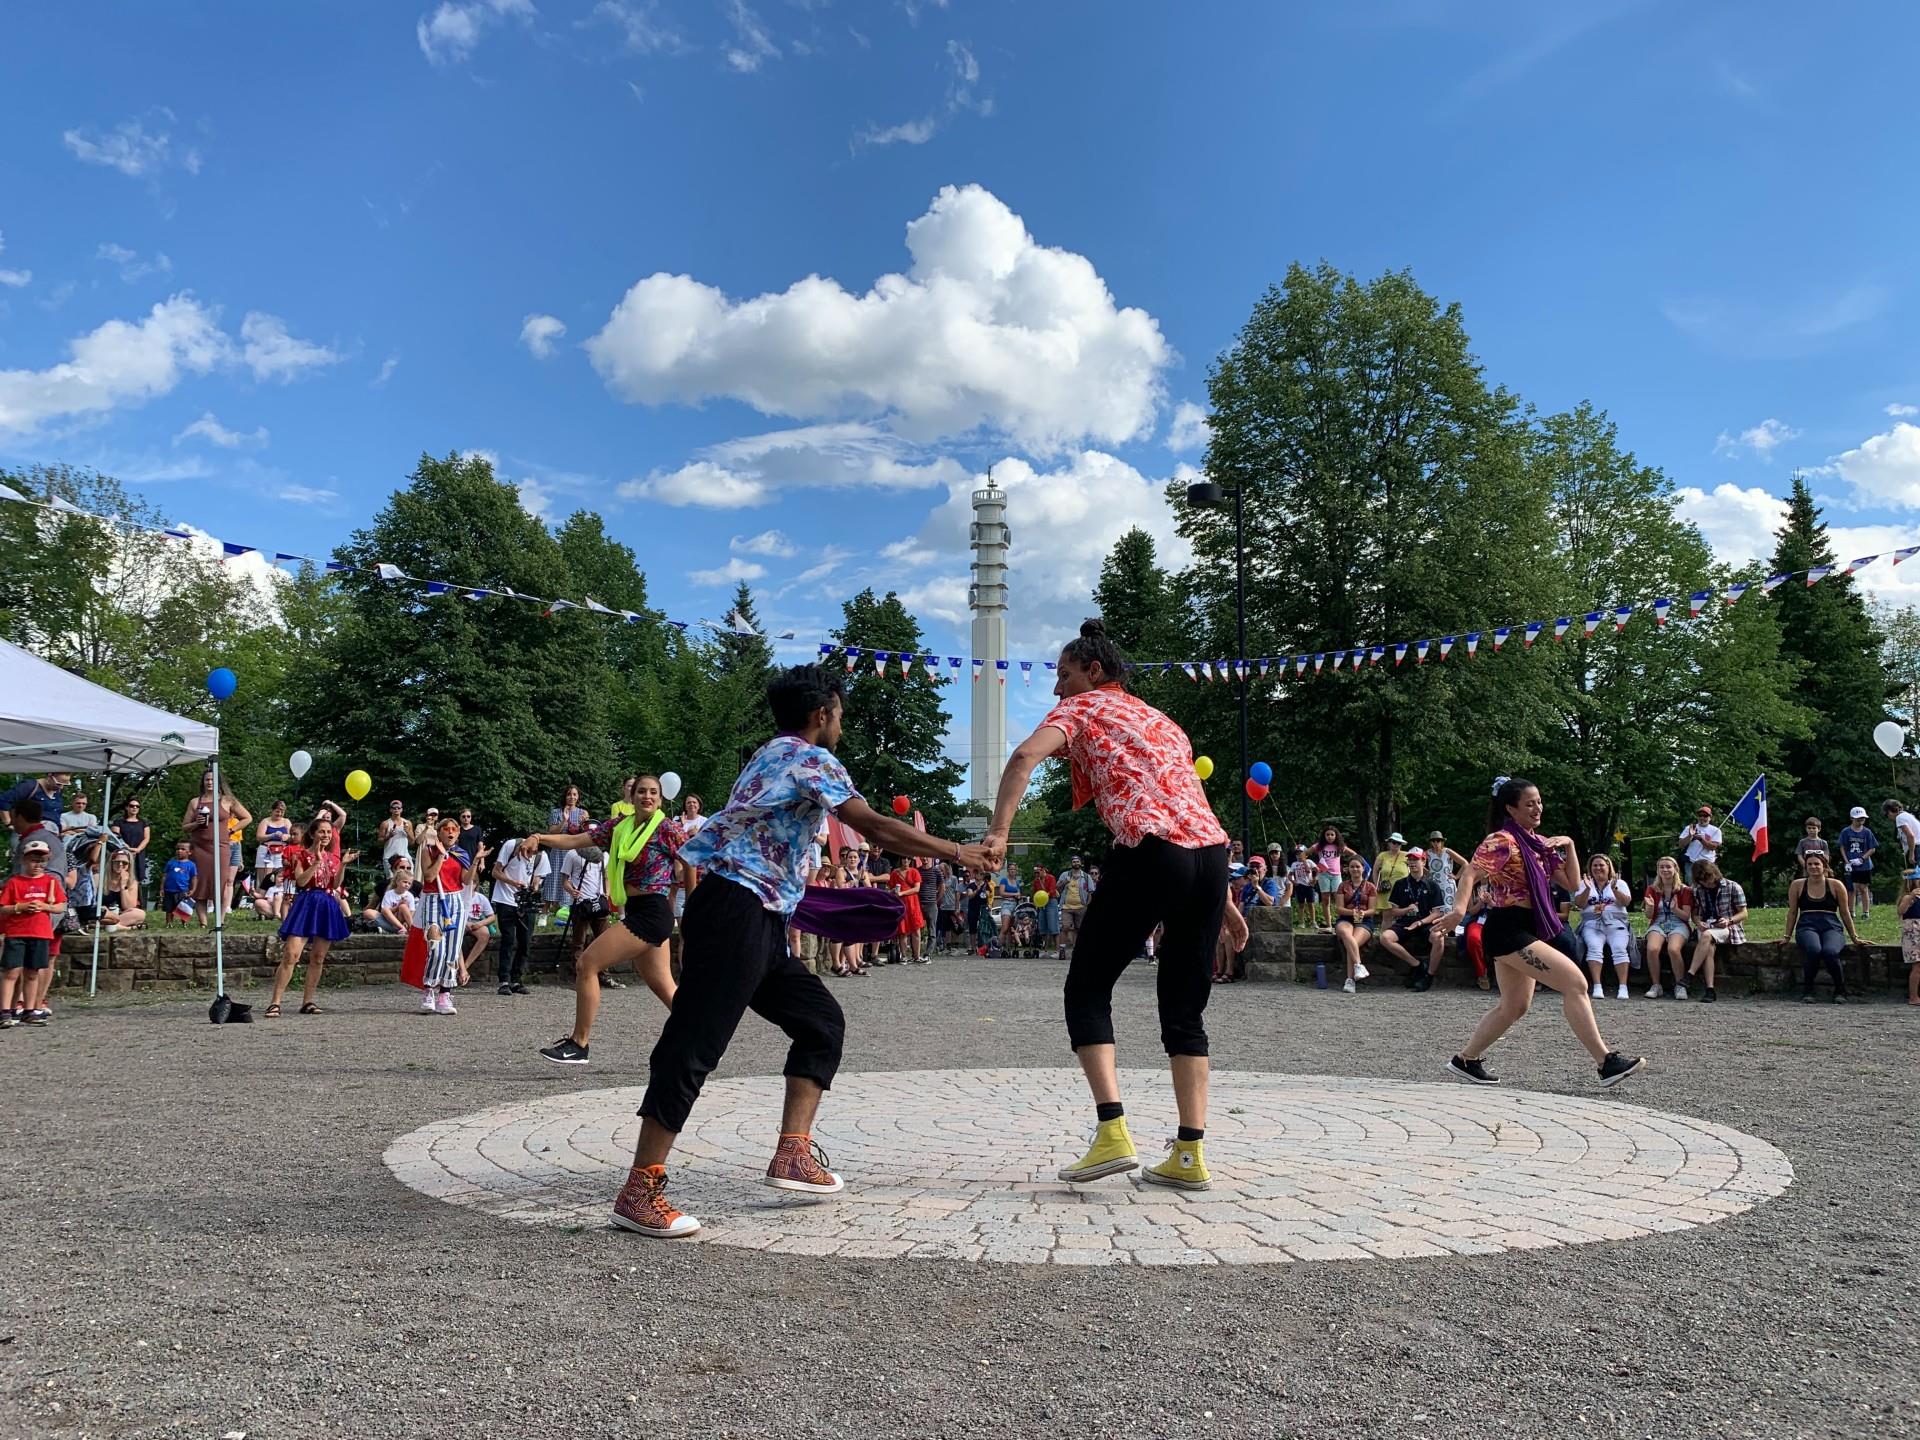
{"x":1517,"y":867}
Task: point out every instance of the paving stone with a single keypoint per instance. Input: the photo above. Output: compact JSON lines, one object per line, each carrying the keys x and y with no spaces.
{"x":1311,"y":1169}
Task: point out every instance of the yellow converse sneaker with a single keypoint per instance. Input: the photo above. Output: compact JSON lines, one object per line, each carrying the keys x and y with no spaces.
{"x":1111,"y":1153}
{"x":1185,"y":1167}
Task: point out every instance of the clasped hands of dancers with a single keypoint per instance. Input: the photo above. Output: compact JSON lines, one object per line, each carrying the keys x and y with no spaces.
{"x":1168,"y":868}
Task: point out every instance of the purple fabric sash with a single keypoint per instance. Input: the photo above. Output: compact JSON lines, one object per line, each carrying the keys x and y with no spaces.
{"x":1535,"y":856}
{"x":852,"y":916}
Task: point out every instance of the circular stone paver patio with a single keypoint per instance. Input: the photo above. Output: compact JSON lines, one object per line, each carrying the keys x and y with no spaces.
{"x":959,"y":1164}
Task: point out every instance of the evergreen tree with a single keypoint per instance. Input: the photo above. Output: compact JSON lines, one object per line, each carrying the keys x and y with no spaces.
{"x":894,"y":735}
{"x":1826,"y":629}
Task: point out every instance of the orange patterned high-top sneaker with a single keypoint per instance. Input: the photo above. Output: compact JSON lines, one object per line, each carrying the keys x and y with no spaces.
{"x":799,"y":1164}
{"x":642,"y":1206}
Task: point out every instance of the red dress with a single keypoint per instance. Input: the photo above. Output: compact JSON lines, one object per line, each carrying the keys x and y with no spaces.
{"x":907,"y":882}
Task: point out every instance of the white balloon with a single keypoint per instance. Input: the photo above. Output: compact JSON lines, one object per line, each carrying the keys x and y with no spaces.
{"x":299,"y":763}
{"x":1889,"y":737}
{"x":669,"y":786}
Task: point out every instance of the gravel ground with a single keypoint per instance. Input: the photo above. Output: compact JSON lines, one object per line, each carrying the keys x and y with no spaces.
{"x":209,"y":1246}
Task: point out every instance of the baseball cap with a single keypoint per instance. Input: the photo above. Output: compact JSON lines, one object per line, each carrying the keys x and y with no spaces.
{"x":1396,"y":838}
{"x":1416,"y":851}
{"x":1859,"y":812}
{"x":35,"y":847}
{"x":1704,"y":810}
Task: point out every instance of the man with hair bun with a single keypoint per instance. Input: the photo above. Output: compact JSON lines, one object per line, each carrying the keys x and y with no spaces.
{"x":1168,"y":867}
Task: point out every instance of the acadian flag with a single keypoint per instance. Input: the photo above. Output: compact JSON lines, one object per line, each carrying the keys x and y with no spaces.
{"x":229,"y":550}
{"x":954,"y":661}
{"x":1818,"y":573}
{"x":1264,"y":662}
{"x":1001,"y":666}
{"x":1026,"y":673}
{"x":1192,"y":674}
{"x":436,"y":587}
{"x":1353,"y":659}
{"x":1299,"y":664}
{"x":880,"y":658}
{"x":1774,"y":582}
{"x":1660,"y":609}
{"x":1318,"y":661}
{"x":977,"y":664}
{"x":1696,"y":602}
{"x":1374,"y":656}
{"x":1592,"y":623}
{"x":1338,"y":656}
{"x":1534,"y":627}
{"x":1399,"y":652}
{"x":1561,"y":626}
{"x":386,"y":571}
{"x":1750,"y":814}
{"x":1473,"y":643}
{"x":1446,"y":646}
{"x":1621,"y":614}
{"x":1905,"y":554}
{"x":1734,"y":592}
{"x":1500,"y":637}
{"x":1420,"y":652}
{"x":597,"y":608}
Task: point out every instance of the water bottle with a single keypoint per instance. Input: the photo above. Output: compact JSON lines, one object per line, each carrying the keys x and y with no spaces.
{"x":1320,"y":976}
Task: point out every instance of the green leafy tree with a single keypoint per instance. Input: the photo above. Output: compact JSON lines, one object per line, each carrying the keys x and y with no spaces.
{"x":1900,"y":624}
{"x":497,"y":704}
{"x":1826,"y":630}
{"x":893,"y":739}
{"x":1385,"y":497}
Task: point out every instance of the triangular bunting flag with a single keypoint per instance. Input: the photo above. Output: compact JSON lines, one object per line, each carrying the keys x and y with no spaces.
{"x":386,"y":571}
{"x":597,"y":608}
{"x":1500,"y":637}
{"x":1818,"y":573}
{"x":1318,"y":661}
{"x":1696,"y":602}
{"x":1734,"y":592}
{"x":1774,"y":582}
{"x":1420,"y":652}
{"x":1338,"y":656}
{"x":1446,"y":646}
{"x":1561,"y":626}
{"x":1591,"y":622}
{"x":1853,"y":565}
{"x":1473,"y":643}
{"x":1660,"y":609}
{"x":1299,"y":664}
{"x":1534,"y":627}
{"x":853,"y":655}
{"x":1374,"y":656}
{"x":1026,"y":672}
{"x":1905,"y":554}
{"x":880,"y":658}
{"x":436,"y":587}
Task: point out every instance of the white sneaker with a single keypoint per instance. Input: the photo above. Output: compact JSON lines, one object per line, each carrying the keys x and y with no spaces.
{"x":1679,"y":992}
{"x":1621,"y":993}
{"x":1655,"y":993}
{"x":1360,"y":972}
{"x":444,"y":1005}
{"x":1599,"y":992}
{"x":426,"y":1003}
{"x":1347,"y":989}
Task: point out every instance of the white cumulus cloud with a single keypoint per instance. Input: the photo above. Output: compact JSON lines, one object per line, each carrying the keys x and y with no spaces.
{"x":538,"y":332}
{"x":120,"y":362}
{"x":1190,"y":429}
{"x":1883,"y":469}
{"x":1760,"y":440}
{"x":753,"y":469}
{"x":771,"y":543}
{"x":272,"y":354}
{"x":1900,"y":411}
{"x":450,"y":34}
{"x":731,"y":573}
{"x":987,"y":330}
{"x":210,"y":429}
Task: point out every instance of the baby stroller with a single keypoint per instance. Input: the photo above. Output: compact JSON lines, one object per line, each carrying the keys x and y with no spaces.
{"x":1023,"y":935}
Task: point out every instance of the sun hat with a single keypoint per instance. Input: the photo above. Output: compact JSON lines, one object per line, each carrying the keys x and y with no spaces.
{"x":1396,"y":838}
{"x":1436,"y":835}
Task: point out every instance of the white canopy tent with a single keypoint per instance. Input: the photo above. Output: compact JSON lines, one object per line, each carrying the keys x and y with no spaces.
{"x":53,"y":720}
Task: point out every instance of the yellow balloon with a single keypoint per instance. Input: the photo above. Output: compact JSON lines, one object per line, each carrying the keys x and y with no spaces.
{"x":358,"y":784}
{"x":1040,"y":898}
{"x":1203,"y":767}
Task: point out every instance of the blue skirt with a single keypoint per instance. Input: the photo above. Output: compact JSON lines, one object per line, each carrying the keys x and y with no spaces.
{"x":315,"y":916}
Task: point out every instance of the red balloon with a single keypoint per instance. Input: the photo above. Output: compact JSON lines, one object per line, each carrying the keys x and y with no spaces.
{"x":1256,"y":791}
{"x":901,"y":805}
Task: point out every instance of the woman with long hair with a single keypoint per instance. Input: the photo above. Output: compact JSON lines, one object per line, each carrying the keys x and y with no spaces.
{"x":206,"y":822}
{"x":1669,"y":907}
{"x":1820,"y":920}
{"x":1329,"y":856}
{"x":314,"y":922}
{"x":569,"y":817}
{"x":436,"y":945}
{"x":1168,"y":866}
{"x":120,"y":907}
{"x":643,"y":866}
{"x":1602,"y":901}
{"x":1353,"y":929}
{"x":1519,"y":868}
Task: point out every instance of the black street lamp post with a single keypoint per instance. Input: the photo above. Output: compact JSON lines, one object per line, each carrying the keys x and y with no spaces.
{"x":1210,"y":495}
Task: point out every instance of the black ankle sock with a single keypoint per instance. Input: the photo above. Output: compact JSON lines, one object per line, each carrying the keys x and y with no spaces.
{"x":1109,"y":1110}
{"x":1192,"y":1132}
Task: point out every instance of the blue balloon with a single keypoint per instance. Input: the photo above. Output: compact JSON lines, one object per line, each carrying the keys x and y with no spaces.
{"x":222,"y":683}
{"x":1260,"y":773}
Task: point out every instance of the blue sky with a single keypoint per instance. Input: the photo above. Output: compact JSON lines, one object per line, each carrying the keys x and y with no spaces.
{"x":257,"y":258}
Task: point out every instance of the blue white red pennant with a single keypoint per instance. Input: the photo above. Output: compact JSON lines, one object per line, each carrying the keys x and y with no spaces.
{"x":1591,"y":622}
{"x":1750,"y":814}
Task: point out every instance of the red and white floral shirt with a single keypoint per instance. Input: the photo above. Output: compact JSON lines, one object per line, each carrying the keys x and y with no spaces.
{"x":1136,"y":766}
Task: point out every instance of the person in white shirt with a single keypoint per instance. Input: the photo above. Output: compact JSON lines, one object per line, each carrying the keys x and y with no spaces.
{"x":1907,"y":827}
{"x":1602,"y":901}
{"x":78,"y":817}
{"x":583,"y":880}
{"x":478,"y":931}
{"x":395,"y":911}
{"x":1703,"y":842}
{"x":518,"y":868}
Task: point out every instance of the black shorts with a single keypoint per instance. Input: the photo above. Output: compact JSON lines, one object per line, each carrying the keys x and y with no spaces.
{"x":31,"y":952}
{"x":650,"y":917}
{"x":1411,"y":936}
{"x":1508,"y":931}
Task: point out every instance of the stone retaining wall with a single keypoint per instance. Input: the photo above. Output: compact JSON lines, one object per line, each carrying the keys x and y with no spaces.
{"x":1758,"y":967}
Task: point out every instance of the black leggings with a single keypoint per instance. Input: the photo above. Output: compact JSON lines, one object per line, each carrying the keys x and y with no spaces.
{"x":516,"y":938}
{"x":1141,"y":886}
{"x":735,"y":959}
{"x":1821,"y":938}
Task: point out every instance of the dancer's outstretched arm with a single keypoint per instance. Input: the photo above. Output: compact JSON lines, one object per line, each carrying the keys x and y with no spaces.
{"x":902,"y":839}
{"x":1026,"y":758}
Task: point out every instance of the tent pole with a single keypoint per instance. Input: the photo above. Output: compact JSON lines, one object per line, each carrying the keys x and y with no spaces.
{"x":219,"y":881}
{"x":99,"y":900}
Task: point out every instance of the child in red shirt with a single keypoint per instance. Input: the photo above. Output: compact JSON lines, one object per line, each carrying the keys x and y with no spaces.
{"x":28,"y":903}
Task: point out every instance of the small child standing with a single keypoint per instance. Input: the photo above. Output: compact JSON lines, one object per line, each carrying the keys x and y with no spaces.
{"x":28,"y":903}
{"x":176,"y":883}
{"x":1910,"y":934}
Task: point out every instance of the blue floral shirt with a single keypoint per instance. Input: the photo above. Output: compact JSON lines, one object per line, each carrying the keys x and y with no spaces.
{"x":760,"y":839}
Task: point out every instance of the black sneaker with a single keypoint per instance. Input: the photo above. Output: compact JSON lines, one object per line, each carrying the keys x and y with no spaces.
{"x":1472,"y":1070}
{"x":1806,"y":997}
{"x":1839,"y":997}
{"x":564,"y":1052}
{"x":1617,"y":1067}
{"x":518,"y":989}
{"x":7,"y":1022}
{"x":34,"y":1017}
{"x":1707,"y":996}
{"x":506,"y":989}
